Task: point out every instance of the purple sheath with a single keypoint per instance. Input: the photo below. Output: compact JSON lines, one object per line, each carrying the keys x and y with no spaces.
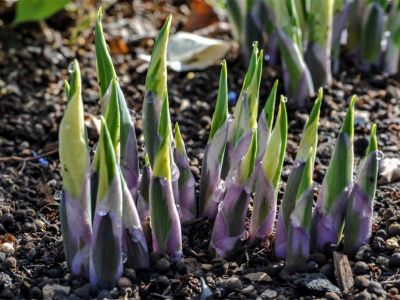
{"x":358,"y":223}
{"x":264,"y":210}
{"x":165,"y":223}
{"x":327,"y":226}
{"x":77,"y":231}
{"x":229,"y":223}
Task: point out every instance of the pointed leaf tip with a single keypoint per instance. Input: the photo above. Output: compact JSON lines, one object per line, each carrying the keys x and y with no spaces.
{"x":179,"y":144}
{"x":373,"y":143}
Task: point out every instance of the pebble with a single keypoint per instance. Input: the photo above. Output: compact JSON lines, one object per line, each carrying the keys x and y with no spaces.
{"x":311,"y":267}
{"x":274,"y":269}
{"x":7,"y":219}
{"x":131,"y":274}
{"x":233,"y":283}
{"x":181,"y":267}
{"x":361,"y":282}
{"x":316,"y":283}
{"x":381,"y":233}
{"x":394,"y":229}
{"x":49,"y":290}
{"x":376,"y":288}
{"x":10,"y":263}
{"x":2,"y":257}
{"x":378,"y":244}
{"x":363,"y":296}
{"x":258,"y":277}
{"x":360,"y":268}
{"x":7,"y":248}
{"x":332,"y":296}
{"x":163,"y":265}
{"x":83,"y":292}
{"x":268,"y":294}
{"x":364,"y":252}
{"x":124,"y":282}
{"x":327,"y":270}
{"x":392,"y":243}
{"x":104,"y":294}
{"x":40,"y":225}
{"x":2,"y":230}
{"x":319,"y":258}
{"x":162,"y":281}
{"x":36,"y":293}
{"x":394,"y":260}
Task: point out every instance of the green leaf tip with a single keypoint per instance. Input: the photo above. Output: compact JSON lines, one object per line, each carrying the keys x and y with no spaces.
{"x":107,"y":165}
{"x":348,"y":123}
{"x":251,"y":69}
{"x":306,"y":179}
{"x":104,"y":64}
{"x":272,"y":161}
{"x":253,"y":91}
{"x":156,"y":79}
{"x":112,"y":115}
{"x":269,"y":106}
{"x":249,"y":159}
{"x":309,"y":137}
{"x":75,"y":85}
{"x":373,"y":142}
{"x":179,"y":144}
{"x":162,"y":161}
{"x":221,"y":106}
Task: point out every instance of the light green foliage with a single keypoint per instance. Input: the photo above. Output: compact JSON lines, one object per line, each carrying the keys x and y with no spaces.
{"x":74,"y":155}
{"x":37,"y":10}
{"x":273,"y":158}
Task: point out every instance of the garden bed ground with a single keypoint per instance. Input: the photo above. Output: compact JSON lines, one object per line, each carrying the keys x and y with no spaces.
{"x":33,"y":64}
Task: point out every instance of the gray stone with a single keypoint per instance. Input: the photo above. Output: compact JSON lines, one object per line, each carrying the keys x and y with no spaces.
{"x":268,"y":294}
{"x":233,"y":283}
{"x":316,"y":283}
{"x":49,"y":290}
{"x":258,"y":277}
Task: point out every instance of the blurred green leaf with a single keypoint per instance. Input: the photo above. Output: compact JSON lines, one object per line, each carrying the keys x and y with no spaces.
{"x":37,"y":10}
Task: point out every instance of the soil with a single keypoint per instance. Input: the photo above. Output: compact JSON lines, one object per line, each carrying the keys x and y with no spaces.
{"x":34,"y":61}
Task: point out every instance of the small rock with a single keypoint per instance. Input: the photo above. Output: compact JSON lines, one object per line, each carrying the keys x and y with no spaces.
{"x":40,"y":225}
{"x":392,"y":243}
{"x":361,"y":282}
{"x":2,"y":257}
{"x":316,"y":283}
{"x":131,"y":274}
{"x":274,"y":269}
{"x":363,"y":253}
{"x":162,"y":281}
{"x":382,"y":260}
{"x":83,"y":292}
{"x":327,"y":270}
{"x":378,"y":244}
{"x":5,"y":280}
{"x":124,"y":283}
{"x":248,"y":289}
{"x":163,"y":265}
{"x":7,"y":248}
{"x":7,"y":219}
{"x":363,"y":296}
{"x":181,"y":267}
{"x":332,"y":296}
{"x":233,"y":283}
{"x":268,"y":294}
{"x":360,"y":268}
{"x":10,"y":263}
{"x":36,"y":293}
{"x":319,"y":258}
{"x":394,"y":260}
{"x":311,"y":267}
{"x":394,"y":229}
{"x":376,"y":288}
{"x":2,"y":230}
{"x":206,"y":267}
{"x":49,"y":290}
{"x":381,"y":233}
{"x":258,"y":277}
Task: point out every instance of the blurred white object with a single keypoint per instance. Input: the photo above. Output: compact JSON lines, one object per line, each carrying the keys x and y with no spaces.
{"x":389,"y":171}
{"x":188,"y":51}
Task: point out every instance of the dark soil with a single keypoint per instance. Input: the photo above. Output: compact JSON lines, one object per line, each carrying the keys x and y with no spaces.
{"x":34,"y":62}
